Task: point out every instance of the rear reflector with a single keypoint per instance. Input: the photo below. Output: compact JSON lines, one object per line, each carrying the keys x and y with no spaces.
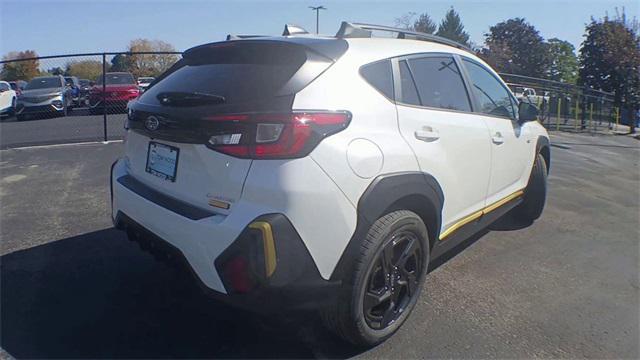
{"x":274,"y":135}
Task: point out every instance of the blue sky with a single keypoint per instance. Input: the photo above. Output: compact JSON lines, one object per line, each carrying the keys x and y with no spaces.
{"x":59,"y":27}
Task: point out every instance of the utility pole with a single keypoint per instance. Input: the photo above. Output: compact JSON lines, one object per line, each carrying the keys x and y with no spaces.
{"x":317,"y":10}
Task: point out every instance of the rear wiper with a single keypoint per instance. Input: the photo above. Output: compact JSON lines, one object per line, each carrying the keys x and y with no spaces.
{"x":176,"y":98}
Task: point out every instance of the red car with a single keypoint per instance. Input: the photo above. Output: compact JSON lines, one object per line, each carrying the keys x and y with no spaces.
{"x":119,"y":89}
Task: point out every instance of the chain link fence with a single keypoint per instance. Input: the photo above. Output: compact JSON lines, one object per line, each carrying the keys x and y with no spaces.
{"x":73,"y":98}
{"x":83,"y":97}
{"x":567,"y":107}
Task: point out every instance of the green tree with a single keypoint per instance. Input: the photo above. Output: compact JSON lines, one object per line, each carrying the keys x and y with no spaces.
{"x":451,"y":28}
{"x":423,"y":23}
{"x":85,"y":69}
{"x":610,"y":60}
{"x":516,"y":47}
{"x":563,"y":63}
{"x":120,"y":62}
{"x":20,"y":70}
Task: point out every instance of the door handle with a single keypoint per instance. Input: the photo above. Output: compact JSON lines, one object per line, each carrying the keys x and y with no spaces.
{"x":497,"y":138}
{"x":427,"y":133}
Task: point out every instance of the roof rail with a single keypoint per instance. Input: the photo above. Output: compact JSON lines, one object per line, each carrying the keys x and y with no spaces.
{"x":359,"y":30}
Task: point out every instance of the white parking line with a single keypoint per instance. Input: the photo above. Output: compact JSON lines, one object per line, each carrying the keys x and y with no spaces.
{"x":65,"y":144}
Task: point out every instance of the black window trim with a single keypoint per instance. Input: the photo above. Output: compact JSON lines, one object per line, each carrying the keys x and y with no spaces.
{"x":395,"y":64}
{"x":393,"y":79}
{"x":475,"y":100}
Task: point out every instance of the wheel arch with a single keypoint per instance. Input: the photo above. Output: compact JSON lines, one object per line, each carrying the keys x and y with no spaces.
{"x":415,"y":191}
{"x":543,"y":148}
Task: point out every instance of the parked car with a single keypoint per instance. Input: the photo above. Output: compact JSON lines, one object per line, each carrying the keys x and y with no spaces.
{"x":73,"y":84}
{"x":44,"y":95}
{"x":18,"y":86}
{"x":144,"y":82}
{"x":303,"y":173}
{"x":7,"y":99}
{"x":120,"y":88}
{"x":85,"y":87}
{"x":529,"y":94}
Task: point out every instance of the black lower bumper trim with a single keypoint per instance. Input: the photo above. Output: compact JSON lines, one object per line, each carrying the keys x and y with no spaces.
{"x":296,"y":285}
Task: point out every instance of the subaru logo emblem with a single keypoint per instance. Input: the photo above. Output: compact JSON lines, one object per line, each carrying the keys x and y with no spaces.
{"x":152,"y":123}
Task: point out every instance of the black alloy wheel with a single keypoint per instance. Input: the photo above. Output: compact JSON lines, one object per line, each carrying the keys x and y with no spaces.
{"x":393,"y":280}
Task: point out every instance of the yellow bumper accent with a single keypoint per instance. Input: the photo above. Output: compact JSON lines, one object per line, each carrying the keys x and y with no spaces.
{"x":269,"y":245}
{"x":476,"y":215}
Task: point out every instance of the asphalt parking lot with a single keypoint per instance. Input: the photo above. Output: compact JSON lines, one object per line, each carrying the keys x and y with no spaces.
{"x":78,"y":126}
{"x":565,"y":287}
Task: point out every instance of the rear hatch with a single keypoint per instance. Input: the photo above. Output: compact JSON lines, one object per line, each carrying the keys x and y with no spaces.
{"x":171,"y":128}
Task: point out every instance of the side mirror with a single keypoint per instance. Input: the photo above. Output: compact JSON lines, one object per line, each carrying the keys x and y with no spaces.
{"x":527,"y":112}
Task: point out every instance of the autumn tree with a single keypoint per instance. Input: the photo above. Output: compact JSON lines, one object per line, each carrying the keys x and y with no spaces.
{"x":515,"y":46}
{"x":610,"y":60}
{"x":562,"y":60}
{"x":150,"y":64}
{"x":451,"y":28}
{"x":85,"y":69}
{"x":20,"y":70}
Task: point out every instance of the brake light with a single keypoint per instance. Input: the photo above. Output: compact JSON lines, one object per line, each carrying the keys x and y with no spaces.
{"x":274,"y":136}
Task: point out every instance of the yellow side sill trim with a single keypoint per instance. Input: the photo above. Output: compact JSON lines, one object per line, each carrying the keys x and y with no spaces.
{"x":269,"y":245}
{"x":476,"y":215}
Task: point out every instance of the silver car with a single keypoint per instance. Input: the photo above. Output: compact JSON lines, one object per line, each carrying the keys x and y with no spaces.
{"x":45,"y":95}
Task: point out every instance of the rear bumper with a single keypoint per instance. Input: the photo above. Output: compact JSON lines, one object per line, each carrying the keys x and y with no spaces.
{"x":204,"y":243}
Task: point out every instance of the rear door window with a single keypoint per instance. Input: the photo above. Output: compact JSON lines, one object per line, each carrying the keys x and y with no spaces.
{"x":379,"y":75}
{"x":409,"y":92}
{"x":440,"y":83}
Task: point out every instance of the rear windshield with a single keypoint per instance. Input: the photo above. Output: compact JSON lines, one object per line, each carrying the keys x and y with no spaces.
{"x":238,"y":71}
{"x":117,"y":79}
{"x":44,"y":83}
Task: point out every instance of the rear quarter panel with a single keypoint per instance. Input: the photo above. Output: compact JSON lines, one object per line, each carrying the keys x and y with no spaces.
{"x":371,"y":143}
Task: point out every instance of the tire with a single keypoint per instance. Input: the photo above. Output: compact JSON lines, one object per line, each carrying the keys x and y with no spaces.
{"x":12,"y":109}
{"x":21,"y":117}
{"x":365,"y":322}
{"x":535,"y":194}
{"x":63,"y":112}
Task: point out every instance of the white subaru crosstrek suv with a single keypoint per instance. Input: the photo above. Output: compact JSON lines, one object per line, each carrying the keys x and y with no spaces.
{"x":325,"y":173}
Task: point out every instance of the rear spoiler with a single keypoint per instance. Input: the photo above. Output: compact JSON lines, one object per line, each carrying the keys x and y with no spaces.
{"x":289,"y":29}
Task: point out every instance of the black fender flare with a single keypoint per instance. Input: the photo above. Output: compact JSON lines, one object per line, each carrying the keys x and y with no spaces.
{"x":543,"y":148}
{"x":414,"y":190}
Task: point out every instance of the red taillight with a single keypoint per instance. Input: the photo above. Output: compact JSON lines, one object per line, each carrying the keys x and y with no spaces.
{"x":274,"y":136}
{"x":236,"y":270}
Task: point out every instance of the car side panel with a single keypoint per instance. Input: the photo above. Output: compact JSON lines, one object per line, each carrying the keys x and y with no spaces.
{"x":299,"y":189}
{"x":371,"y":145}
{"x":6,"y":97}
